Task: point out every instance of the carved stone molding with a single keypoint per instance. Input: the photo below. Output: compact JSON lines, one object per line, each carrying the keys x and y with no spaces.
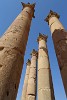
{"x":42,"y":36}
{"x":51,"y":14}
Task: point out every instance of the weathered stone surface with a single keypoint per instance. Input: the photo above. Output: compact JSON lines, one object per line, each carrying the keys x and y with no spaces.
{"x":12,"y":50}
{"x":45,"y":87}
{"x":33,"y":63}
{"x":43,"y":52}
{"x":60,"y":44}
{"x":31,"y":89}
{"x":59,"y":36}
{"x":43,"y":61}
{"x":44,"y":94}
{"x":27,"y":72}
{"x":8,"y":83}
{"x":64,"y":77}
{"x":30,"y":97}
{"x":31,"y":80}
{"x":23,"y":98}
{"x":24,"y":91}
{"x":26,"y":79}
{"x":32,"y":73}
{"x":44,"y":77}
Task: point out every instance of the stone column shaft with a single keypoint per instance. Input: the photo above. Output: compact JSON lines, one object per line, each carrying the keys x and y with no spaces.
{"x":31,"y":89}
{"x":24,"y":91}
{"x":12,"y":50}
{"x":59,"y":36}
{"x":45,"y":86}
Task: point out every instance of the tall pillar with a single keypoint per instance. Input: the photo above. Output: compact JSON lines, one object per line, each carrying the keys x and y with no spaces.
{"x":31,"y":89}
{"x":45,"y":86}
{"x":59,"y":36}
{"x":24,"y":91}
{"x":12,"y":50}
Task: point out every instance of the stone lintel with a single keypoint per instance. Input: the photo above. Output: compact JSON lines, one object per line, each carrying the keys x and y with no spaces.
{"x":51,"y":14}
{"x":32,"y":6}
{"x":34,"y":53}
{"x":42,"y":37}
{"x":28,"y":62}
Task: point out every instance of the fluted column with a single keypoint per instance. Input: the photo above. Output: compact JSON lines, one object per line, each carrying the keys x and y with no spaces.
{"x":24,"y":91}
{"x":12,"y":50}
{"x":59,"y":36}
{"x":31,"y":89}
{"x":45,"y":86}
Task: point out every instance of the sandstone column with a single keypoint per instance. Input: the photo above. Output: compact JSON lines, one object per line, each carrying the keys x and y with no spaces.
{"x":45,"y":86}
{"x":31,"y":89}
{"x":59,"y":36}
{"x":24,"y":91}
{"x":12,"y":50}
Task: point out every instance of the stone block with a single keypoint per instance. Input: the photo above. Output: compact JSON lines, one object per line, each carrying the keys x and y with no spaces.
{"x":30,"y":97}
{"x":31,"y":89}
{"x":43,"y":63}
{"x":44,"y":94}
{"x":43,"y":79}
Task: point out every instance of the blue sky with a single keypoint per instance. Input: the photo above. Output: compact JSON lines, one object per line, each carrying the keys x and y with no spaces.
{"x":9,"y":9}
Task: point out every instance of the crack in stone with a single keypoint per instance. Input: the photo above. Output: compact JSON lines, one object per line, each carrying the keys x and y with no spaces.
{"x":32,"y":94}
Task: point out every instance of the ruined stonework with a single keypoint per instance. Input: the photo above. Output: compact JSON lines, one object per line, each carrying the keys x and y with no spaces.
{"x":59,"y":36}
{"x":12,"y":50}
{"x":45,"y":85}
{"x":24,"y":91}
{"x":31,"y":89}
